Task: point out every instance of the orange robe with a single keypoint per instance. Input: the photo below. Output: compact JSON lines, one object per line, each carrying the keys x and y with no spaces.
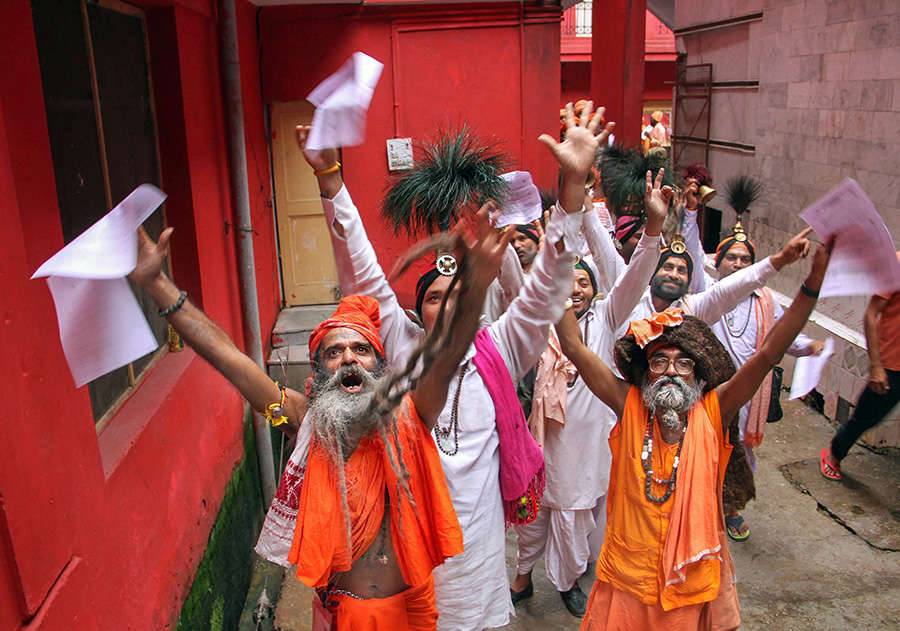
{"x":423,"y":536}
{"x":662,"y":563}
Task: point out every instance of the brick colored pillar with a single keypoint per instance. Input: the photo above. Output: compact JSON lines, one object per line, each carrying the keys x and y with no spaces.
{"x":617,"y":64}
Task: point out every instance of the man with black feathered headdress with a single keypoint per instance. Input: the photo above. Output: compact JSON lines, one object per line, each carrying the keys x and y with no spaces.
{"x":742,"y":330}
{"x":665,"y":562}
{"x":471,"y":589}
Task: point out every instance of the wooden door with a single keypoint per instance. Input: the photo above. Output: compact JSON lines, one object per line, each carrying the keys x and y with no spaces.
{"x":308,"y":272}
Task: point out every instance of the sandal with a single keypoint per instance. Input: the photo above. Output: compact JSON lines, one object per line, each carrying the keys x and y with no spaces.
{"x":825,"y":465}
{"x":736,"y":523}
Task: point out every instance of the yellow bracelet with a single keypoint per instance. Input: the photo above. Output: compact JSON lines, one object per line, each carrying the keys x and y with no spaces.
{"x":275,"y":412}
{"x":334,"y":167}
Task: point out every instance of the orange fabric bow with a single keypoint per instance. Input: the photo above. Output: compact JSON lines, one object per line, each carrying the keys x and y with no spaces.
{"x":648,"y":329}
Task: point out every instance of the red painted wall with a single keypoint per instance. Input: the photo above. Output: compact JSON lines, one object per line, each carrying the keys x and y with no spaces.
{"x":443,"y":67}
{"x":100,"y":532}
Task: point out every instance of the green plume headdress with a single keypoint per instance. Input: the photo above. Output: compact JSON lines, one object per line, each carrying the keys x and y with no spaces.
{"x":741,"y":191}
{"x":456,"y":172}
{"x":623,"y":173}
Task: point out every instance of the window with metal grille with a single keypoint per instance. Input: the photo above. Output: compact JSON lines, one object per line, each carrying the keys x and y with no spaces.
{"x":96,"y":80}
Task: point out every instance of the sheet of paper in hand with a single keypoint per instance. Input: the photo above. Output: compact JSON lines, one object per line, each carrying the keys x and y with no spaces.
{"x":808,"y":370}
{"x":342,"y":101}
{"x":523,"y":205}
{"x":864,"y":260}
{"x":101,"y":325}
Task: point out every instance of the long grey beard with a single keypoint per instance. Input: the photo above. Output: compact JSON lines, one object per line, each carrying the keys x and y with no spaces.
{"x":673,"y":397}
{"x":339,"y":418}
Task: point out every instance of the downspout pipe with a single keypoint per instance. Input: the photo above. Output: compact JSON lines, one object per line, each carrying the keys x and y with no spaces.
{"x":240,"y":198}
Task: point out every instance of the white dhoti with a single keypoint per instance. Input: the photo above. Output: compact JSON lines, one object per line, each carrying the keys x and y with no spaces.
{"x":568,"y":539}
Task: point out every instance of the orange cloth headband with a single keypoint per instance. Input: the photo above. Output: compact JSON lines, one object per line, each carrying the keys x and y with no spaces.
{"x":648,"y":329}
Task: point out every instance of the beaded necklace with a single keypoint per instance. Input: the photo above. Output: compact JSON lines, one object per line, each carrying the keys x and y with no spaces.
{"x":646,"y":463}
{"x":442,"y":434}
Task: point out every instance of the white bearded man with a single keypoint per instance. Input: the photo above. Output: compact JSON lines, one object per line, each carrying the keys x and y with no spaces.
{"x":665,"y":562}
{"x":471,"y":589}
{"x":363,"y":509}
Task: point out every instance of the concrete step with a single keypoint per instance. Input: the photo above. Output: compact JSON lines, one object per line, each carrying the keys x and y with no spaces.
{"x":296,"y":365}
{"x":294,"y":324}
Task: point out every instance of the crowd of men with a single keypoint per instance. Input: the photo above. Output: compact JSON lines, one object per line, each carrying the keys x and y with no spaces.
{"x":581,"y":379}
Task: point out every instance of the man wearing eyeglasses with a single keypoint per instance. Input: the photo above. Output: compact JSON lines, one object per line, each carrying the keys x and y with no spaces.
{"x":665,"y":561}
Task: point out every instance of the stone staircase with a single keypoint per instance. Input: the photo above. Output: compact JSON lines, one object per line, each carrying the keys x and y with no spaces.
{"x":290,"y":339}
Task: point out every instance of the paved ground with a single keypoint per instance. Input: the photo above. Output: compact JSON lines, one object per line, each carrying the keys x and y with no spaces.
{"x":821,"y":556}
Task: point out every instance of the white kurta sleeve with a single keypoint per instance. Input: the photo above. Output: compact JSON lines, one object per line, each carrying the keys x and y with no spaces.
{"x":690,"y":230}
{"x":627,"y":292}
{"x":802,"y":344}
{"x":725,"y":294}
{"x":360,"y":273}
{"x":610,"y":264}
{"x":521,"y":333}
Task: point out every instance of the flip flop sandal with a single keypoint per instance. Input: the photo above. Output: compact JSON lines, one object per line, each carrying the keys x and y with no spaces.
{"x":823,"y":463}
{"x":736,"y":523}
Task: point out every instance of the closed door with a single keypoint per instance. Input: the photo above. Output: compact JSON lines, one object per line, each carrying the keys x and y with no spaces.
{"x":308,"y":272}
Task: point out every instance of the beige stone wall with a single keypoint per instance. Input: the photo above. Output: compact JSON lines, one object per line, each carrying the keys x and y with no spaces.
{"x":827,"y":108}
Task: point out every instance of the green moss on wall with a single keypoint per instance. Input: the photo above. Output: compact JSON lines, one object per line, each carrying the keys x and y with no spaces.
{"x":220,"y":585}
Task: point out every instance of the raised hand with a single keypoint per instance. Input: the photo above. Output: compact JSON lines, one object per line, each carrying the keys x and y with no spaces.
{"x":820,"y":259}
{"x":484,"y":245}
{"x":691,"y":191}
{"x":151,"y":256}
{"x":318,"y":159}
{"x":796,"y":249}
{"x":656,"y":201}
{"x":576,"y":153}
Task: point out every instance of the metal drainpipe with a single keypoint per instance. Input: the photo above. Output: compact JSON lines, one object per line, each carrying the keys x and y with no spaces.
{"x":231,"y":84}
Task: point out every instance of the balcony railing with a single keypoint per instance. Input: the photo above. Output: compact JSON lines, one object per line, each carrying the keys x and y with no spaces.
{"x":577,"y":20}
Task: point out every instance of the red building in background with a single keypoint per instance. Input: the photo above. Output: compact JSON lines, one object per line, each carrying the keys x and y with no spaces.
{"x":123,"y":503}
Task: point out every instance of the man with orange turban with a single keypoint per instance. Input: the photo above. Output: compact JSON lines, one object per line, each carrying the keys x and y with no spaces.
{"x":664,"y":562}
{"x":363,"y":509}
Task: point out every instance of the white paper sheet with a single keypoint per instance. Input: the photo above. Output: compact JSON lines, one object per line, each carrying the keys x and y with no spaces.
{"x":524,"y":202}
{"x":101,"y":325}
{"x":342,"y":101}
{"x":808,"y":370}
{"x":864,"y":260}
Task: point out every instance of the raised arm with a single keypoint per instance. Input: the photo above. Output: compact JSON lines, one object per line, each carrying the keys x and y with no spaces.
{"x":690,"y":230}
{"x":725,"y":295}
{"x":357,"y":264}
{"x":485,"y":248}
{"x":631,"y":286}
{"x":606,"y":258}
{"x":206,"y":337}
{"x":597,"y":376}
{"x":743,"y":385}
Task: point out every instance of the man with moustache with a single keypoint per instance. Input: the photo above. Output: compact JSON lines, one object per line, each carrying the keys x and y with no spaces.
{"x":472,"y":589}
{"x":525,"y":243}
{"x":665,"y":562}
{"x":372,"y":511}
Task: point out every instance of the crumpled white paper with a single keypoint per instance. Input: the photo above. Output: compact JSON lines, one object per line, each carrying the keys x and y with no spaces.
{"x":864,"y":260}
{"x":523,"y":205}
{"x":342,"y":102}
{"x":101,"y":325}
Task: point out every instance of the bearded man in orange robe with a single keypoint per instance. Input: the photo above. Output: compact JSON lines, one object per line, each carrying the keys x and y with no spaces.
{"x":374,"y":516}
{"x":665,"y":562}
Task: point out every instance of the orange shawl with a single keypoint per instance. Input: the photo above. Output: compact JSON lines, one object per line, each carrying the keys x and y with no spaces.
{"x":430,"y":530}
{"x":759,"y":404}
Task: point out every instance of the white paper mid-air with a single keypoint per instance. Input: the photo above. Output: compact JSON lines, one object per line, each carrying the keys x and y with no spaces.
{"x":864,"y":260}
{"x":101,"y":325}
{"x":523,"y":205}
{"x":342,"y":101}
{"x":808,"y":370}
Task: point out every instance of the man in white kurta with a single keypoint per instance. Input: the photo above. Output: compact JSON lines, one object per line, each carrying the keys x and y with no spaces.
{"x":471,"y":589}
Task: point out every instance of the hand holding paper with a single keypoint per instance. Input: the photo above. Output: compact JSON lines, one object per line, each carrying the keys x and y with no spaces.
{"x":342,"y":101}
{"x":101,"y":325}
{"x":808,"y":370}
{"x":523,"y":204}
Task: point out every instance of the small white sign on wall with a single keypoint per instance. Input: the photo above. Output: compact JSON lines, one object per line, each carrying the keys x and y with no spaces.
{"x":400,"y":154}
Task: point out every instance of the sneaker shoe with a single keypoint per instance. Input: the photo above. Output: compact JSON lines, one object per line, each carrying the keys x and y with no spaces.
{"x":575,"y":601}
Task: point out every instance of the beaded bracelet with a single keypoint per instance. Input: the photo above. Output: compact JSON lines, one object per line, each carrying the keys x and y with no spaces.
{"x":275,"y":412}
{"x":173,"y":307}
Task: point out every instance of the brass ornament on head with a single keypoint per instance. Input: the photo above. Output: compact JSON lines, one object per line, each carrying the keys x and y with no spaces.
{"x":446,"y":265}
{"x":740,"y":235}
{"x":678,"y":246}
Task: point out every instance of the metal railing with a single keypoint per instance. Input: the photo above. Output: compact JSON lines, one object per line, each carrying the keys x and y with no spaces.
{"x":577,"y":20}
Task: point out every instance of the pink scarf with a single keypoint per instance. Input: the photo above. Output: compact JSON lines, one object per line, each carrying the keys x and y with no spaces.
{"x":521,"y":460}
{"x":553,"y":374}
{"x":759,"y":404}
